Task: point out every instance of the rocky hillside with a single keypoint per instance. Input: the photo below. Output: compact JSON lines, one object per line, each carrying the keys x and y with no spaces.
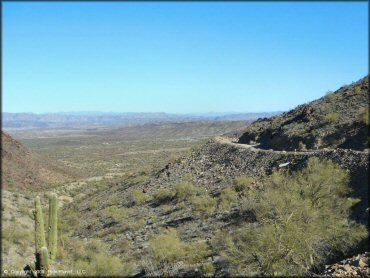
{"x":184,"y":219}
{"x":22,"y":168}
{"x":337,"y":120}
{"x":127,"y":216}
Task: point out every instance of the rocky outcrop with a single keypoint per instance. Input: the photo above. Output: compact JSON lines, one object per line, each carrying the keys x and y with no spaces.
{"x":336,"y":120}
{"x":357,"y":266}
{"x":216,"y":164}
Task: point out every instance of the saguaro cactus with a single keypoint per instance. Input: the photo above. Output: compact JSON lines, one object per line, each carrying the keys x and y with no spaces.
{"x":39,"y":227}
{"x":41,"y":251}
{"x":53,"y":221}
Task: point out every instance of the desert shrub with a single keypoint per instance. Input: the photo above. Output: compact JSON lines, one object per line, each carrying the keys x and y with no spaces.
{"x":138,"y":196}
{"x":15,"y":235}
{"x":330,"y":95}
{"x":92,"y":205}
{"x":302,"y":220}
{"x":164,"y":195}
{"x":365,"y":115}
{"x":203,"y":205}
{"x":302,"y":146}
{"x":208,"y":269}
{"x":140,"y":178}
{"x":184,"y":190}
{"x":166,"y":247}
{"x":5,"y":245}
{"x":103,"y":266}
{"x":174,"y":157}
{"x":117,"y":213}
{"x":70,"y":218}
{"x":331,"y":118}
{"x":227,"y":198}
{"x":242,"y":183}
{"x":167,"y":209}
{"x":89,"y":258}
{"x":137,"y":225}
{"x":108,"y":266}
{"x":114,"y":201}
{"x":195,"y":252}
{"x":358,"y":89}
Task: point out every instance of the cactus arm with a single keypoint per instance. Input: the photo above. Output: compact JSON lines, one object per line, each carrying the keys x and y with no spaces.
{"x":39,"y":227}
{"x":44,"y":261}
{"x":53,"y":222}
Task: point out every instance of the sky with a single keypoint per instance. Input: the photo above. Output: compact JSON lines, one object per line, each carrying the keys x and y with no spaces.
{"x":178,"y":57}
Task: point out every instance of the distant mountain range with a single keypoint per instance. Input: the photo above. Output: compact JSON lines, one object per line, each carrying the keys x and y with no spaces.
{"x":91,"y":119}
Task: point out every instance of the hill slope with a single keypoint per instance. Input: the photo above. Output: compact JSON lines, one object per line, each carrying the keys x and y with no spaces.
{"x":22,"y":168}
{"x":337,"y":120}
{"x":190,"y":194}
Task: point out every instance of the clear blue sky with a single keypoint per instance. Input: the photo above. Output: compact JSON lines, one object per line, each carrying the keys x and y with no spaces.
{"x":179,"y":57}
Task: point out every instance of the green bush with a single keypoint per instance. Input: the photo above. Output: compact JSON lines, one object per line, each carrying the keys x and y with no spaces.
{"x":365,"y":115}
{"x":302,"y":220}
{"x":195,"y":252}
{"x":89,"y":258}
{"x":166,"y":247}
{"x":203,"y":205}
{"x":242,"y":183}
{"x":117,"y":213}
{"x":331,"y":118}
{"x":140,"y":179}
{"x":16,"y":235}
{"x":137,"y":225}
{"x":138,"y":196}
{"x":164,"y":195}
{"x":100,"y":264}
{"x":358,"y":89}
{"x":208,"y":269}
{"x":228,"y":197}
{"x":93,"y":205}
{"x":185,"y":190}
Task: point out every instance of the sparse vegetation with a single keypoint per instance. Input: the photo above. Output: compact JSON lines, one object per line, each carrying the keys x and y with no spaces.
{"x":167,"y":248}
{"x":302,"y":146}
{"x":228,"y":197}
{"x":242,"y":183}
{"x":117,"y":213}
{"x":164,"y":195}
{"x":310,"y":205}
{"x":141,"y":178}
{"x":208,"y":269}
{"x":365,"y":115}
{"x":89,"y":259}
{"x":285,"y":224}
{"x":196,"y":252}
{"x":185,"y":190}
{"x":138,"y":196}
{"x":93,"y":205}
{"x":14,"y":235}
{"x":331,"y":118}
{"x":203,"y":205}
{"x":358,"y":89}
